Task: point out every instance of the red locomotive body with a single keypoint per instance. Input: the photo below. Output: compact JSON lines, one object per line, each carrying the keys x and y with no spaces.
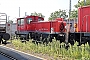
{"x":84,"y":19}
{"x":36,"y":26}
{"x":83,"y":27}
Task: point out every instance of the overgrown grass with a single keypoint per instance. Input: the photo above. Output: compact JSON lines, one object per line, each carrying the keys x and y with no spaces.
{"x":53,"y":49}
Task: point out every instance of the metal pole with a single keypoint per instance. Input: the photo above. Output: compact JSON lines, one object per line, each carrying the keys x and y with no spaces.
{"x":69,"y":8}
{"x":19,"y":11}
{"x":25,"y":13}
{"x":8,"y":18}
{"x":84,"y":2}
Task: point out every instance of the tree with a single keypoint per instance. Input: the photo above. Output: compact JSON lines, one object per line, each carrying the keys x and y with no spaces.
{"x":58,"y":14}
{"x":74,"y":14}
{"x":37,"y":14}
{"x":81,"y":3}
{"x":10,"y":21}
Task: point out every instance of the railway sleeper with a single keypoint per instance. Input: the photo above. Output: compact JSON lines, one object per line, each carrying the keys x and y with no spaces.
{"x":8,"y":56}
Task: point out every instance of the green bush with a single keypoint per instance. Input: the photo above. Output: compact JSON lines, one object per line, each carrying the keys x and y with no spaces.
{"x":53,"y":49}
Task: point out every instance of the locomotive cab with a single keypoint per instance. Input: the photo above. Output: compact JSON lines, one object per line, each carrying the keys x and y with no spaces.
{"x":26,"y":25}
{"x":23,"y":24}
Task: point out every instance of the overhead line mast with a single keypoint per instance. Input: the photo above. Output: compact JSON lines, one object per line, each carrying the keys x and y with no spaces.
{"x":69,"y":8}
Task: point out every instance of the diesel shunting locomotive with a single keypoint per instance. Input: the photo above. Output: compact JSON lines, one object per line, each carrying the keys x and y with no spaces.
{"x":35,"y":27}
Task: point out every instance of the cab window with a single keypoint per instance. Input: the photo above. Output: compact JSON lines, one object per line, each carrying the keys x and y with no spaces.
{"x":29,"y":20}
{"x":20,"y":22}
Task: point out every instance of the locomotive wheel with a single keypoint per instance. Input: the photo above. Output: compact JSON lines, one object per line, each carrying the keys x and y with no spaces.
{"x":44,"y":41}
{"x":33,"y":41}
{"x":41,"y":38}
{"x":6,"y":36}
{"x":21,"y":38}
{"x":72,"y":42}
{"x":67,"y":46}
{"x":49,"y":39}
{"x":27,"y":37}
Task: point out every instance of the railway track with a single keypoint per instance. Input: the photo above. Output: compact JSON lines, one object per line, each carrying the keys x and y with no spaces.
{"x":8,"y":56}
{"x":12,"y":54}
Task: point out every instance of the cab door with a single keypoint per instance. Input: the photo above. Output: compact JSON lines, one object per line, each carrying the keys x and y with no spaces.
{"x":21,"y":24}
{"x":28,"y":24}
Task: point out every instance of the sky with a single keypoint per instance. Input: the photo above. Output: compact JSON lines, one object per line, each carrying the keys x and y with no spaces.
{"x":11,"y":7}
